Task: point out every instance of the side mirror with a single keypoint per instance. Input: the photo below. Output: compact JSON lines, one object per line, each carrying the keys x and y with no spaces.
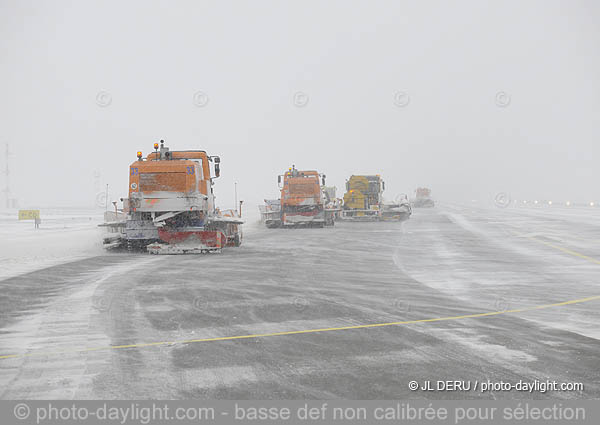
{"x":323,"y":180}
{"x":383,"y":185}
{"x":278,"y":179}
{"x":217,"y":169}
{"x":217,"y":160}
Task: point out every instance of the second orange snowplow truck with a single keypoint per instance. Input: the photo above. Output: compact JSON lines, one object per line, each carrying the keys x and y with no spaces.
{"x":302,"y":202}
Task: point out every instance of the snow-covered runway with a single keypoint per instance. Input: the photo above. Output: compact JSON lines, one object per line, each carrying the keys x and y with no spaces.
{"x":60,"y":322}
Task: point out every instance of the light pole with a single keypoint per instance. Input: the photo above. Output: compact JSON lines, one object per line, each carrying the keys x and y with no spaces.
{"x":236,"y":203}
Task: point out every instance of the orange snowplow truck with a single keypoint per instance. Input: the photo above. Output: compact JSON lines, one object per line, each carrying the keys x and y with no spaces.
{"x":302,"y":202}
{"x":171,"y":205}
{"x":423,"y":198}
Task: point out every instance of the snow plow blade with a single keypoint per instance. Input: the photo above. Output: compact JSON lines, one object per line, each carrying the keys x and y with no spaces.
{"x":178,"y":249}
{"x":188,"y":241}
{"x":360,"y":215}
{"x":396,"y":212}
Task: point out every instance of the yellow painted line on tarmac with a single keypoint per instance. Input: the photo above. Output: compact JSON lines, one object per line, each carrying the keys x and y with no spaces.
{"x":560,"y":248}
{"x":566,"y":250}
{"x":308,"y":331}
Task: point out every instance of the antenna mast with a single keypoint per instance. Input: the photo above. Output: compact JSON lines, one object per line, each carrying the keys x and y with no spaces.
{"x":7,"y":174}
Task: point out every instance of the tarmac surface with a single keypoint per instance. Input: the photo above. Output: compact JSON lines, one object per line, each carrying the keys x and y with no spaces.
{"x":126,"y":326}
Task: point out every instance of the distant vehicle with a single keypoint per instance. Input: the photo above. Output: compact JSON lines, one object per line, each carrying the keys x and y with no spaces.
{"x":171,"y":206}
{"x":423,"y":198}
{"x":363,"y":198}
{"x":333,"y":205}
{"x":399,"y":210}
{"x":271,"y":213}
{"x":302,"y":202}
{"x":363,"y":201}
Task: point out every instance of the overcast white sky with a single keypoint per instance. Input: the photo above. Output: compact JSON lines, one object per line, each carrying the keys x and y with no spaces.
{"x":349,"y":58}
